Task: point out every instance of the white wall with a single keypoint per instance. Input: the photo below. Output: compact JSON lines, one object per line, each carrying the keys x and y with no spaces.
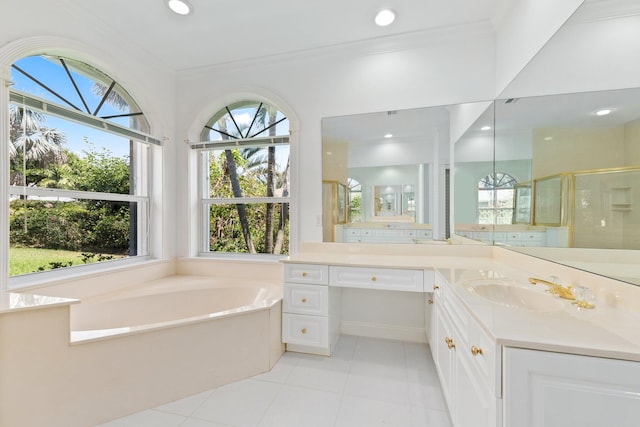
{"x":428,"y":69}
{"x":598,"y":49}
{"x":524,"y":30}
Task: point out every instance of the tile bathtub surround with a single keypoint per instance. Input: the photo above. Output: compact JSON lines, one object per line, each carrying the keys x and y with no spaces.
{"x":367,"y":382}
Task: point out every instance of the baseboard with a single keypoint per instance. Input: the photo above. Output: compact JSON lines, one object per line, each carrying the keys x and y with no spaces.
{"x":376,"y":330}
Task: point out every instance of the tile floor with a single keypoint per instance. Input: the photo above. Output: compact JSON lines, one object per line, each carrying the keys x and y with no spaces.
{"x":367,"y":382}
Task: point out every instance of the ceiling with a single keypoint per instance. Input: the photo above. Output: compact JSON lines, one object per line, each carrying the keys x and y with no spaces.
{"x":224,"y":31}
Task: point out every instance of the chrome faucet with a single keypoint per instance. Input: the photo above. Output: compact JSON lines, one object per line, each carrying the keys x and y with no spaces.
{"x":555,"y":288}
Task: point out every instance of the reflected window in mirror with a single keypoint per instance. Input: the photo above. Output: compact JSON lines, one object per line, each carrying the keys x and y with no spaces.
{"x":355,"y":200}
{"x":496,"y":198}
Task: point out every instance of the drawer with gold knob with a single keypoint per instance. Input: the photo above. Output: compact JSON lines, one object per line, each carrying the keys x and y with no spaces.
{"x":306,"y":299}
{"x":305,"y":330}
{"x":306,"y":273}
{"x":397,"y":279}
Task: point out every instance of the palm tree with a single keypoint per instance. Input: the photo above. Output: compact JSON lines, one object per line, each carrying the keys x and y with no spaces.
{"x":32,"y":140}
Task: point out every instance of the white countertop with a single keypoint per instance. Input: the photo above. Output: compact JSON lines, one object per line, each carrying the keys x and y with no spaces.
{"x":604,"y":331}
{"x":11,"y":301}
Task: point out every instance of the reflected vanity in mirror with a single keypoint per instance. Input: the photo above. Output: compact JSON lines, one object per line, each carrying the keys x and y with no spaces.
{"x":395,"y":168}
{"x":568,"y":166}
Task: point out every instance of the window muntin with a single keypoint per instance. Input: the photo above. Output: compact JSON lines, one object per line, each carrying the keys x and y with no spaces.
{"x":79,"y":163}
{"x":244,"y":173}
{"x":496,"y":199}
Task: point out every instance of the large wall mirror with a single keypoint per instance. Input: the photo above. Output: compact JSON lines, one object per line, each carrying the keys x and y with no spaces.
{"x":552,"y":176}
{"x":559,"y":172}
{"x":395,"y":166}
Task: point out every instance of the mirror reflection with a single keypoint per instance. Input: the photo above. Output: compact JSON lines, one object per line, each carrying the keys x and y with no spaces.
{"x":394,"y":165}
{"x":569,"y":170}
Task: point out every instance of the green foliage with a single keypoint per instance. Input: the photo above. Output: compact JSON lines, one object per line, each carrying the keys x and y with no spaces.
{"x":100,"y":171}
{"x":225,"y":225}
{"x":76,"y":226}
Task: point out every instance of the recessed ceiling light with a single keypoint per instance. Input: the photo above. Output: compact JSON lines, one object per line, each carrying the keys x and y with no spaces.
{"x":603,"y":112}
{"x":385,"y":17}
{"x":388,"y":135}
{"x":548,"y":138}
{"x":485,"y":128}
{"x":181,"y":7}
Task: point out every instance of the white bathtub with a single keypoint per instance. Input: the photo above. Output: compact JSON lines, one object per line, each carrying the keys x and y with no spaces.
{"x":168,"y":302}
{"x":142,"y":336}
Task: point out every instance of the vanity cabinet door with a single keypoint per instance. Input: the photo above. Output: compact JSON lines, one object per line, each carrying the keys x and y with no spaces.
{"x":475,"y":405}
{"x":466,"y":360}
{"x":558,"y":390}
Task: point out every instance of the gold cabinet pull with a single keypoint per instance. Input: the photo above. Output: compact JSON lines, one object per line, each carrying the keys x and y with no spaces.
{"x":430,"y":301}
{"x":374,"y":278}
{"x":450,"y":343}
{"x":303,"y":330}
{"x":304,"y":300}
{"x":436,"y":287}
{"x":304,"y":274}
{"x":476,"y":350}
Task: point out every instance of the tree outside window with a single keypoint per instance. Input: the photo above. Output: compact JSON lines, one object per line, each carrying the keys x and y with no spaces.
{"x":78,"y":162}
{"x":244,"y":158}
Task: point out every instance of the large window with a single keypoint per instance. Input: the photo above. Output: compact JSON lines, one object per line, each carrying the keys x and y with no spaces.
{"x":79,"y":167}
{"x":495,"y":199}
{"x":244,"y":170}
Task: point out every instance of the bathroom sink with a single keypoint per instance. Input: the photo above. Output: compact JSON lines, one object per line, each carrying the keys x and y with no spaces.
{"x":515,"y":296}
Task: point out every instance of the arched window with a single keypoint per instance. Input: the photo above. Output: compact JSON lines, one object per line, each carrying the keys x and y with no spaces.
{"x":495,"y":199}
{"x":78,"y":167}
{"x":244,"y":164}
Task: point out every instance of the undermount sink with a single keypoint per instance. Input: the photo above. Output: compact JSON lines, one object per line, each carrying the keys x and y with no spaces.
{"x":515,"y":296}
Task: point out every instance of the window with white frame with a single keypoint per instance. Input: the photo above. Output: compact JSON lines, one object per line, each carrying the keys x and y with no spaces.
{"x":495,"y":199}
{"x":244,"y":180}
{"x":79,"y":167}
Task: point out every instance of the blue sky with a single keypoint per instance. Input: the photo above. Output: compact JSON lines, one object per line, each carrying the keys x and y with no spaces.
{"x":54,"y":76}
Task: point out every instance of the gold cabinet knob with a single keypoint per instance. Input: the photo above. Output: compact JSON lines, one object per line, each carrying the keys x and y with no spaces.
{"x":303,"y":330}
{"x":447,"y":340}
{"x":450,"y":343}
{"x":476,"y":350}
{"x":374,"y":278}
{"x":304,"y":274}
{"x":304,"y":300}
{"x":430,"y":301}
{"x":436,"y":287}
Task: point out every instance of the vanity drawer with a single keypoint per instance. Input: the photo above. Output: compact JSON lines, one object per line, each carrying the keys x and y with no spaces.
{"x":305,"y":330}
{"x":533,"y":237}
{"x":306,"y":273}
{"x":377,"y":278}
{"x":424,"y":234}
{"x":514,"y":237}
{"x":306,"y":299}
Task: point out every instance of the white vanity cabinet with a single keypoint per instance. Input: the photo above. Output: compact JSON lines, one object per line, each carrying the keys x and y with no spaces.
{"x":312,"y":302}
{"x":468,"y":363}
{"x":558,"y":390}
{"x":307,"y":325}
